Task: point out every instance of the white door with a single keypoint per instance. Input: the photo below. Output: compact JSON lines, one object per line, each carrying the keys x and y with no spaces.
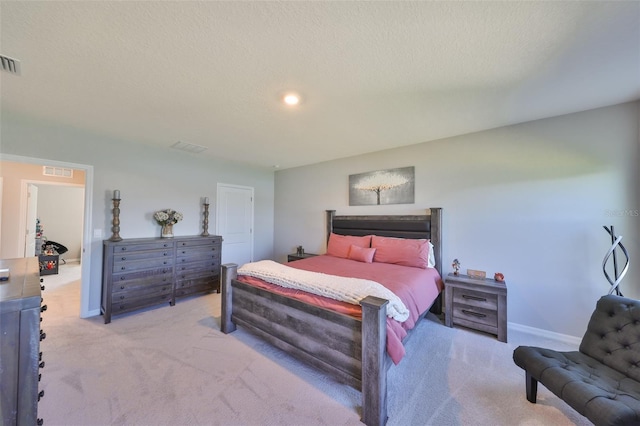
{"x":234,"y":222}
{"x":32,"y":216}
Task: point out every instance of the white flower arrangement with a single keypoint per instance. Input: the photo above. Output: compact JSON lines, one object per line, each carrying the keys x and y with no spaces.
{"x":167,"y":217}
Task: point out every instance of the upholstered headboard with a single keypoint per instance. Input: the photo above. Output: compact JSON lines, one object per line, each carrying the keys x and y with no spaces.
{"x":399,"y":226}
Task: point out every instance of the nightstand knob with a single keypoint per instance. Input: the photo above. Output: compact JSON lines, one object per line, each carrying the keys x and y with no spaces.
{"x":43,"y":308}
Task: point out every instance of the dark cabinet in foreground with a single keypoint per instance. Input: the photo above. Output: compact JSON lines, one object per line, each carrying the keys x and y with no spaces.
{"x":20,"y":336}
{"x":143,"y":272}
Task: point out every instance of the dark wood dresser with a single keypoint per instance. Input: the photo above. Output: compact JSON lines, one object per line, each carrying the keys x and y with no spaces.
{"x":143,"y":272}
{"x":20,"y":357}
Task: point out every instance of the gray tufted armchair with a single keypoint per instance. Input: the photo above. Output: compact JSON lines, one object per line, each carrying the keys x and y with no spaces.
{"x":601,"y":381}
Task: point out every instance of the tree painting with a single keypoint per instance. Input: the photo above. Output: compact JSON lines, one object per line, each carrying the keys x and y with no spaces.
{"x":393,"y":186}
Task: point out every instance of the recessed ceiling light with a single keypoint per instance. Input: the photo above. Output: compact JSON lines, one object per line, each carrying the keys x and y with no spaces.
{"x":291,"y":99}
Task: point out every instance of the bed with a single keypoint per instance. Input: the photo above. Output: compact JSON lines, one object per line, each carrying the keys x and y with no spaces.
{"x":351,"y":349}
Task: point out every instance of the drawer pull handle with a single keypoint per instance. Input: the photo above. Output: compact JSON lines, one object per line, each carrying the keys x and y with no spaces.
{"x":43,"y":308}
{"x":123,"y":268}
{"x":123,"y":248}
{"x":42,"y":336}
{"x":124,"y":258}
{"x":41,"y":365}
{"x":480,"y":299}
{"x":121,"y":287}
{"x":40,"y":394}
{"x":121,"y":297}
{"x":475,"y":314}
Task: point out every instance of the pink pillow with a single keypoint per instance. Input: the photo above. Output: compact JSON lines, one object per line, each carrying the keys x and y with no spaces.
{"x":339,"y":245}
{"x":361,"y":254}
{"x":401,"y":251}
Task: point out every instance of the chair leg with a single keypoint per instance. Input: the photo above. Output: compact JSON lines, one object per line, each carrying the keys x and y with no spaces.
{"x":532,"y":387}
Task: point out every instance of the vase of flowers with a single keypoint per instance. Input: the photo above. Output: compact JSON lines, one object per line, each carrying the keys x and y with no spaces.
{"x":167,"y":218}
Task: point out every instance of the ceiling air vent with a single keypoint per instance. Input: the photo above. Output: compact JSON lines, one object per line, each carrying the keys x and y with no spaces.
{"x":189,"y":147}
{"x":10,"y":65}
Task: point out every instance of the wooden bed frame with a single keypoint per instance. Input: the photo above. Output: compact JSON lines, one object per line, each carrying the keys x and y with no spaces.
{"x":351,"y":350}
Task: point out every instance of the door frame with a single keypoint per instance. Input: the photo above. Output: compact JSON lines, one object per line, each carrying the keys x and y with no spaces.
{"x":24,"y":184}
{"x":85,"y":253}
{"x":252,"y":189}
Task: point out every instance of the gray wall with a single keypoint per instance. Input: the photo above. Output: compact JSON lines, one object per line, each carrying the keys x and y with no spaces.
{"x":528,"y":200}
{"x":149,"y":179}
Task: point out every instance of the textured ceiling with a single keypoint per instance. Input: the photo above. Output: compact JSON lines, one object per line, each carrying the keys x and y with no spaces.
{"x":372,"y":75}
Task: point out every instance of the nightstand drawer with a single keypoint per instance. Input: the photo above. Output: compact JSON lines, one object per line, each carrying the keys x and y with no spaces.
{"x":474,"y":314}
{"x":479,"y":299}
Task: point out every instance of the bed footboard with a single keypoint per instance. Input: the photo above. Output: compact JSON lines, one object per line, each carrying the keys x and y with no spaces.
{"x":351,"y":350}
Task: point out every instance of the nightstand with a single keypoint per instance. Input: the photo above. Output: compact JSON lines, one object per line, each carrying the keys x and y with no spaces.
{"x":480,"y":304}
{"x":293,"y":257}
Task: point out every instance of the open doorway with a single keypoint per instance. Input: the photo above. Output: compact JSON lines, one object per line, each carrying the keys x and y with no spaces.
{"x":14,"y":219}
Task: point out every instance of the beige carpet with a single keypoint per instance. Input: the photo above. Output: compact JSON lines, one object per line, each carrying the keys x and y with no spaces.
{"x":172,"y":366}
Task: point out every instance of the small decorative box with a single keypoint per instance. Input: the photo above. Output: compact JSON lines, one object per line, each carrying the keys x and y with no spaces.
{"x":476,"y":274}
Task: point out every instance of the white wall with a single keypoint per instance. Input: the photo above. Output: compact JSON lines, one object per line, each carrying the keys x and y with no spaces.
{"x":528,"y":200}
{"x":61,"y":213}
{"x":149,"y":179}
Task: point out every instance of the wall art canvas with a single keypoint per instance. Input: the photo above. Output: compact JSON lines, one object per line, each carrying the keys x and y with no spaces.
{"x":391,"y":186}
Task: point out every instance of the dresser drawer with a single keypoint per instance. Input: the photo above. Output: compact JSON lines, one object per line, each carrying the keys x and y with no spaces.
{"x":198,"y":242}
{"x":142,"y":264}
{"x":209,"y":266}
{"x":125,"y":284}
{"x":185,"y":253}
{"x":474,"y":298}
{"x":197,"y":285}
{"x":140,"y":255}
{"x":134,"y":304}
{"x":146,"y":292}
{"x":151,"y":274}
{"x":474,"y":314}
{"x":143,"y":246}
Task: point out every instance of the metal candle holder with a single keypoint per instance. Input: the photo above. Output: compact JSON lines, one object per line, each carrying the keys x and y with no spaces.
{"x":205,"y":232}
{"x":115,"y":229}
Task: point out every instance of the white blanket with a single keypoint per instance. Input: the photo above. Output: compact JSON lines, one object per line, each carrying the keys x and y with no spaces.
{"x":350,"y":290}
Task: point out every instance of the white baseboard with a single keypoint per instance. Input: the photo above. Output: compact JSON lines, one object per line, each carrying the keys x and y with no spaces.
{"x":93,"y":313}
{"x":565,"y":338}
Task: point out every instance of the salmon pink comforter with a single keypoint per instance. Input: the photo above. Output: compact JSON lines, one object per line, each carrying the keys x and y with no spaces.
{"x":416,"y":287}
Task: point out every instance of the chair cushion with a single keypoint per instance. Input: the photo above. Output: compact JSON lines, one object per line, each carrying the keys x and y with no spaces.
{"x":598,"y":392}
{"x":613,"y":335}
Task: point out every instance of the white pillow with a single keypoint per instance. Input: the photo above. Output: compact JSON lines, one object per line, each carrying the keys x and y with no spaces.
{"x":432,"y":257}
